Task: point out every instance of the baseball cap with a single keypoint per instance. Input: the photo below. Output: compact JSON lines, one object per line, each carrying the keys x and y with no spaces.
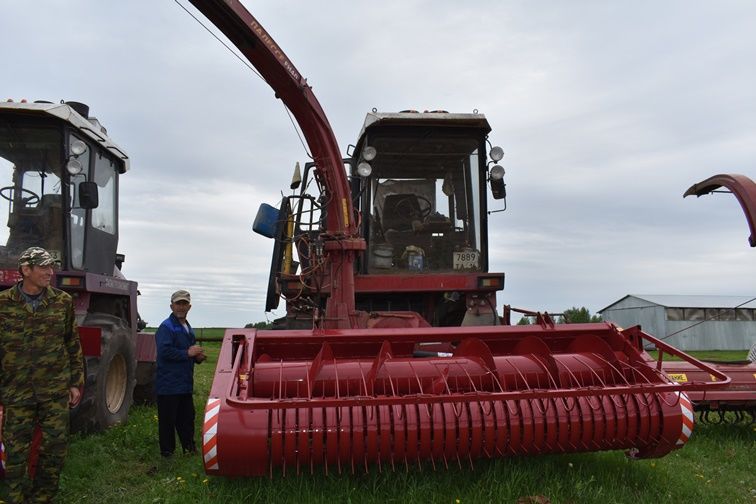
{"x":181,"y":295}
{"x":36,"y":256}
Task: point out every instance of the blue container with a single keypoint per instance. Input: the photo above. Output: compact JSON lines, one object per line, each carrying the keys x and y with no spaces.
{"x":415,"y":261}
{"x":266,"y":221}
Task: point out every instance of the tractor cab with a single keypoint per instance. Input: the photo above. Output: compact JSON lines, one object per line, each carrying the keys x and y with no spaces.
{"x":420,"y":180}
{"x":418,"y":183}
{"x":59,"y":175}
{"x":59,"y":185}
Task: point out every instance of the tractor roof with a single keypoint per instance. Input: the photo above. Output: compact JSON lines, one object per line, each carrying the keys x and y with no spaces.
{"x":90,"y":127}
{"x":436,"y":118}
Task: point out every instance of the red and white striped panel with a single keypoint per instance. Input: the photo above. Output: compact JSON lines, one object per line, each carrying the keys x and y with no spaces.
{"x":688,"y":420}
{"x":210,"y":435}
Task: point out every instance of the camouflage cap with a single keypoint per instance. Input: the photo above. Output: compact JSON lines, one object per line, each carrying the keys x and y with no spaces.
{"x":181,"y":295}
{"x":36,"y":256}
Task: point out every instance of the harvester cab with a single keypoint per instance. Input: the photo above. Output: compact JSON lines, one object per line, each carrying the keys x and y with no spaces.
{"x":59,"y":175}
{"x":418,"y":184}
{"x":418,"y":189}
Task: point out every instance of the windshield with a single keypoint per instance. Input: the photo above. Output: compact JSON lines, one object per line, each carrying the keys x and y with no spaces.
{"x":423,"y":197}
{"x":30,"y":186}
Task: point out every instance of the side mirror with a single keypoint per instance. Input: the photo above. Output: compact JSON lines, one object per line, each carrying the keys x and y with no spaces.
{"x":498,"y":189}
{"x":496,"y":179}
{"x":88,"y":195}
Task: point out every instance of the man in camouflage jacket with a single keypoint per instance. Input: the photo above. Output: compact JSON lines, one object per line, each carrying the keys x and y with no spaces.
{"x":41,"y":375}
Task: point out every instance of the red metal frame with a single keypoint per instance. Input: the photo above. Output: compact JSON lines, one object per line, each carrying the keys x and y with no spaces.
{"x":510,"y":337}
{"x":425,"y":282}
{"x":739,"y":395}
{"x":294,"y":400}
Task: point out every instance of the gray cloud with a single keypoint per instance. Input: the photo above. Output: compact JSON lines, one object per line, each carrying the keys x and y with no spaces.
{"x":607,"y":113}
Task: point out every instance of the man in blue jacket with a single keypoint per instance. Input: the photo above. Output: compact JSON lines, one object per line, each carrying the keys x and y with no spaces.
{"x":177,"y":352}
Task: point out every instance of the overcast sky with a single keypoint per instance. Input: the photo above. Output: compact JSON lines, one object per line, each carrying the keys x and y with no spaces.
{"x":607,"y":112}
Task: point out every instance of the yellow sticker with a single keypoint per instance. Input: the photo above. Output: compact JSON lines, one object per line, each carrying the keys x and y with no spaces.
{"x":713,"y":378}
{"x":345,"y":211}
{"x":678,"y":377}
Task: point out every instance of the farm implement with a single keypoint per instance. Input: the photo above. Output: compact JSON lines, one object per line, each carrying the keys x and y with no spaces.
{"x":352,"y":399}
{"x":391,"y":352}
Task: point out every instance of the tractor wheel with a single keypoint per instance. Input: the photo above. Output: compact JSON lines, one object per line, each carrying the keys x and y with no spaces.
{"x":110,"y":378}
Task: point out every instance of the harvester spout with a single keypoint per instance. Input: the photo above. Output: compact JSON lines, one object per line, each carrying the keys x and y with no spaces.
{"x":343,"y":242}
{"x":741,"y":186}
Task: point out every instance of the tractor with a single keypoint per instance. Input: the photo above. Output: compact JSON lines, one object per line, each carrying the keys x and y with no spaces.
{"x":59,"y":176}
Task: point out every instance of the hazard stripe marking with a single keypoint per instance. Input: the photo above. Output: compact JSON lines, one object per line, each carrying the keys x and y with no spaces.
{"x":210,"y":435}
{"x":688,"y":419}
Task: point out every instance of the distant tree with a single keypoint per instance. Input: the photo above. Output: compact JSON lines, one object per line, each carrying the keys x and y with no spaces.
{"x":524,"y":321}
{"x":576,"y":315}
{"x":259,"y":325}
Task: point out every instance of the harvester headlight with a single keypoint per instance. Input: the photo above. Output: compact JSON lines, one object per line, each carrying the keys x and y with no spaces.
{"x":497,"y":172}
{"x":496,"y":154}
{"x":369,"y":153}
{"x":74,"y":166}
{"x":364,"y":169}
{"x":78,"y":147}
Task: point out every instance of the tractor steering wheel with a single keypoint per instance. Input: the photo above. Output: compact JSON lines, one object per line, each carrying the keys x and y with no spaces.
{"x":7,"y":194}
{"x":405,"y":207}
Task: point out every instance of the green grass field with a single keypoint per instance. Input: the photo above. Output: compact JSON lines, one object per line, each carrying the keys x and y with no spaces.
{"x":124,"y":465}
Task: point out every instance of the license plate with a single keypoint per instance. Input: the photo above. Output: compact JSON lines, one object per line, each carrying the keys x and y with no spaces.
{"x":466,"y":259}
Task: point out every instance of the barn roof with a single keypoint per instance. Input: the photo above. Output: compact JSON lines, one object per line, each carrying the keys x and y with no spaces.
{"x":692,"y":301}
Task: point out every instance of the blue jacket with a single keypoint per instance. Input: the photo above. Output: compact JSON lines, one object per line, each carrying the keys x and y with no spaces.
{"x":174,"y":366}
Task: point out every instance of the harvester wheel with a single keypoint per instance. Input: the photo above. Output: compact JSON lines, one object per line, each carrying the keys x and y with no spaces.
{"x":110,"y":378}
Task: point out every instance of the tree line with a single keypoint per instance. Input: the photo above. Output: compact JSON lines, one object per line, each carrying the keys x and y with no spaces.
{"x":572,"y":315}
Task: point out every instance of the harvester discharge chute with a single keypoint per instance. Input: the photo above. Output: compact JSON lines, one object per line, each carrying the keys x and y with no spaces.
{"x":354,"y":399}
{"x":735,"y":403}
{"x":366,"y":388}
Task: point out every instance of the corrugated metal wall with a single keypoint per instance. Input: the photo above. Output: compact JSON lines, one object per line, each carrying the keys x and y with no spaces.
{"x":709,"y":335}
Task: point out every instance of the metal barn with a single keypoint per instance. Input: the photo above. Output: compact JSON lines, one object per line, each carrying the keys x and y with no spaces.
{"x":690,"y":322}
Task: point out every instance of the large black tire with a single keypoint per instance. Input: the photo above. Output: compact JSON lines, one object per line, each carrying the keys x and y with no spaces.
{"x":110,"y":378}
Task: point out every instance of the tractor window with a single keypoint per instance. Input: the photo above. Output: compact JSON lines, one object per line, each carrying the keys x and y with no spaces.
{"x":30,"y":186}
{"x":78,"y":215}
{"x":423,"y":197}
{"x":474,"y":202}
{"x":103,"y":217}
